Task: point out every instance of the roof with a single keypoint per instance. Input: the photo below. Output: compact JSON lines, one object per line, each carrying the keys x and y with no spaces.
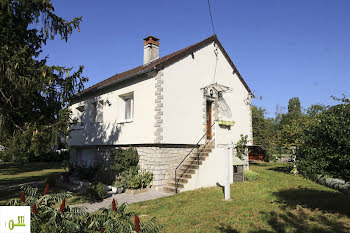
{"x":237,"y":161}
{"x":160,"y":63}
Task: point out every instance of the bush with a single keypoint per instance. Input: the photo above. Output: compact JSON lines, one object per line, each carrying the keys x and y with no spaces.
{"x":97,"y":191}
{"x":124,"y":159}
{"x":86,"y":173}
{"x":104,"y":175}
{"x":134,"y":179}
{"x":51,"y":180}
{"x":250,"y":175}
{"x":146,"y":178}
{"x":5,"y":157}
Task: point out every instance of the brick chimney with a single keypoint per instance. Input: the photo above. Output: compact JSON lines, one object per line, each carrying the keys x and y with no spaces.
{"x":150,"y":49}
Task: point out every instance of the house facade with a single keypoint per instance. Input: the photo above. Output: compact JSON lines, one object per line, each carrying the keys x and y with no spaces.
{"x":168,"y":109}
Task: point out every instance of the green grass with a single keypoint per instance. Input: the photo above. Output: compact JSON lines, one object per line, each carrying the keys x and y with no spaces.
{"x":275,"y":202}
{"x":12,"y":174}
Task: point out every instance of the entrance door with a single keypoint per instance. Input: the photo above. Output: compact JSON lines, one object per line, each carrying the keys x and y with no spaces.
{"x":209,"y":103}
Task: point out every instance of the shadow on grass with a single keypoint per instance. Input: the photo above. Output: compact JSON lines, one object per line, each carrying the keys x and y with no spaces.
{"x":12,"y":168}
{"x":259,"y":163}
{"x":226,"y":229}
{"x":300,"y":220}
{"x":333,"y":202}
{"x":26,"y":179}
{"x":285,"y":169}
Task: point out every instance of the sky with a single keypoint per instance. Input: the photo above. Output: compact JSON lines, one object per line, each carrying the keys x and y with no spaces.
{"x":283,"y":49}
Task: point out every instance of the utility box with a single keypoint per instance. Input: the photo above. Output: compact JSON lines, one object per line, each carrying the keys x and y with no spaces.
{"x":238,"y":168}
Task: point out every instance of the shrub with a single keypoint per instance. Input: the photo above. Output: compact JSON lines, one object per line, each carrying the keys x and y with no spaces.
{"x":5,"y":157}
{"x":146,"y":178}
{"x":51,"y":180}
{"x":86,"y":173}
{"x":97,"y":191}
{"x":241,"y":146}
{"x":250,"y":175}
{"x":124,"y":159}
{"x":104,"y":175}
{"x":46,"y":218}
{"x":134,"y":179}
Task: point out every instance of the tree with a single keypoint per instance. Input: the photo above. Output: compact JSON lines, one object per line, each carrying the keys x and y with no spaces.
{"x":34,"y":97}
{"x":264,"y":131}
{"x":315,"y":109}
{"x":291,"y":125}
{"x":325,"y":147}
{"x":294,"y":106}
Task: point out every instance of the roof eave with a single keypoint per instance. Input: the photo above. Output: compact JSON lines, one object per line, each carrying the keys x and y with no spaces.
{"x":82,"y":94}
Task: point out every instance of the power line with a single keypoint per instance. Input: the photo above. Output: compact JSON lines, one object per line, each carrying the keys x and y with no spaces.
{"x":211,"y":17}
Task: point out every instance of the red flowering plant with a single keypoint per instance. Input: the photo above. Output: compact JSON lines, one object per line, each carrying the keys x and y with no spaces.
{"x":50,"y":213}
{"x":46,"y":218}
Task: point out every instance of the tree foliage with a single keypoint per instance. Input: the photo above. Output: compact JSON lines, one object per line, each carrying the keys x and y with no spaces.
{"x":321,"y":136}
{"x":294,"y":106}
{"x":264,"y":131}
{"x":33,"y":95}
{"x":325,"y":147}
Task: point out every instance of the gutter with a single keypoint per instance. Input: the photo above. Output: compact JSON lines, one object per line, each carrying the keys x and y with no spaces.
{"x":115,"y":82}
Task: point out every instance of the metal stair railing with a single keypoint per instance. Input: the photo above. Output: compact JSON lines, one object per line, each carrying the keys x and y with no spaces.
{"x":196,"y":146}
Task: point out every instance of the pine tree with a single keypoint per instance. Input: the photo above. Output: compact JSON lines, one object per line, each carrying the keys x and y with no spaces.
{"x":34,"y":97}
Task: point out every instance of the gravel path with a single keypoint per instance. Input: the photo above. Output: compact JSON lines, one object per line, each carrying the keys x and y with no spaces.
{"x":121,"y":198}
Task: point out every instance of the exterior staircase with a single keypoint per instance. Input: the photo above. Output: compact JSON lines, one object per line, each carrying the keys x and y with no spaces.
{"x":188,"y":167}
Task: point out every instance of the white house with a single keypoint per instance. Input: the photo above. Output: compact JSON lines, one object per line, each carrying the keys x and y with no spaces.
{"x":177,"y":107}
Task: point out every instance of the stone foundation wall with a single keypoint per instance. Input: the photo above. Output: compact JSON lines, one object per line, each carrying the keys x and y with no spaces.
{"x":160,"y":160}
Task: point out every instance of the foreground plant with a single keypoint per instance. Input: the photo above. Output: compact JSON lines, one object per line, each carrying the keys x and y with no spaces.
{"x":46,"y":218}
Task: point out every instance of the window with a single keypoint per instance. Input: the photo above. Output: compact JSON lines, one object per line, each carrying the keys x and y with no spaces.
{"x":127,"y":108}
{"x":96,"y":112}
{"x":93,"y":112}
{"x":81,"y":115}
{"x":99,"y":117}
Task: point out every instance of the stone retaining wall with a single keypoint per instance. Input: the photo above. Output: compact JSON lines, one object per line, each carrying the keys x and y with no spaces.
{"x":160,"y":160}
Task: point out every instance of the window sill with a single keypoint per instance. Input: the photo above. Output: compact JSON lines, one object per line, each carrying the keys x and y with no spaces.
{"x":125,"y":121}
{"x":78,"y":127}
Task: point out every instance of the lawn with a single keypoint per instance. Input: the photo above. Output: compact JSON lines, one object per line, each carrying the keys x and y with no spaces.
{"x":276,"y":202}
{"x":12,"y":174}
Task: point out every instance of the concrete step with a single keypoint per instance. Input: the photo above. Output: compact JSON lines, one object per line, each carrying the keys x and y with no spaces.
{"x":172,"y":184}
{"x":204,"y":150}
{"x":193,"y":161}
{"x":196,"y":156}
{"x":187,"y":171}
{"x":169,"y":190}
{"x":191,"y":166}
{"x":179,"y":174}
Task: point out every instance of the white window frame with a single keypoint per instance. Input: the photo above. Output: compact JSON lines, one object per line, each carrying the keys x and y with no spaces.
{"x":123,"y":99}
